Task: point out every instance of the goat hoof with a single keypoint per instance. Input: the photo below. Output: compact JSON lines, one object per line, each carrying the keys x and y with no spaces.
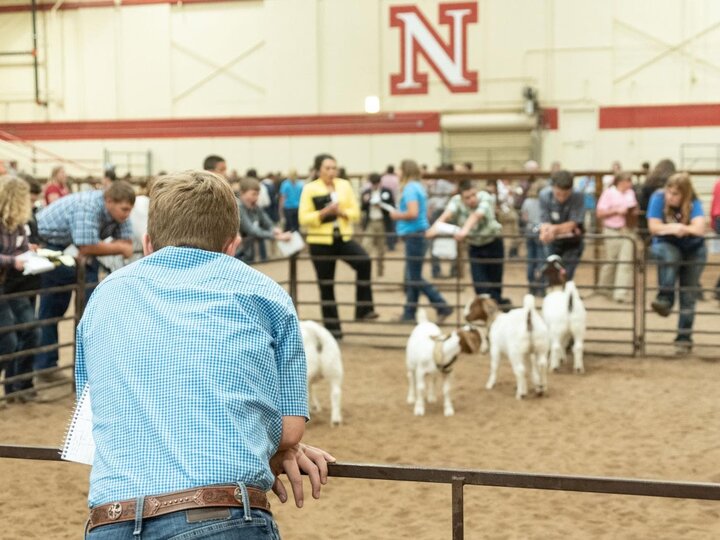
{"x":580,"y":371}
{"x":449,"y":412}
{"x":335,"y":423}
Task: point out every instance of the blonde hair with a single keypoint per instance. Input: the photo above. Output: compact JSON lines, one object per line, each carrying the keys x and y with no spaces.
{"x":680,"y":181}
{"x":55,"y":171}
{"x":409,"y":170}
{"x":15,"y":207}
{"x":192,"y":209}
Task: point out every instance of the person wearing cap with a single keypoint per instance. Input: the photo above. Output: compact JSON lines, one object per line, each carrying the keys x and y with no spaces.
{"x":561,"y":221}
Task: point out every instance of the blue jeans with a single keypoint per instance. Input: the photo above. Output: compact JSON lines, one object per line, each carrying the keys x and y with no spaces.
{"x":487,"y":277}
{"x":536,"y":257}
{"x":390,"y":236}
{"x":12,"y":312}
{"x":415,"y":247}
{"x":262,"y":250}
{"x":291,"y":219}
{"x":179,"y":526}
{"x":570,"y":256}
{"x":56,"y":304}
{"x":686,"y":269}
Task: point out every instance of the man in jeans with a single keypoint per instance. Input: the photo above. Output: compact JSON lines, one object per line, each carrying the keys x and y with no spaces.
{"x":561,"y":221}
{"x":196,"y":373}
{"x":97,"y":223}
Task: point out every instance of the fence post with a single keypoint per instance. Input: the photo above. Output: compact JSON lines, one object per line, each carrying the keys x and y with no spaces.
{"x":642,"y":268}
{"x":80,"y":292}
{"x":458,"y":518}
{"x":636,"y":271}
{"x":293,"y":279}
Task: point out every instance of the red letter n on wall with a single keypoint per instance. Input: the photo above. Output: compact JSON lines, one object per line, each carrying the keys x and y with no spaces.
{"x":418,"y":37}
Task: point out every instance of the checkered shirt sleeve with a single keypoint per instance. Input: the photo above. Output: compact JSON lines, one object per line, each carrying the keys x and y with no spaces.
{"x":85,"y":221}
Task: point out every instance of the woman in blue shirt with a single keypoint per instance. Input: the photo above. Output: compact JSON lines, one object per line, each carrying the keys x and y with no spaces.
{"x":677,"y":225}
{"x":290,"y":191}
{"x":412,"y":223}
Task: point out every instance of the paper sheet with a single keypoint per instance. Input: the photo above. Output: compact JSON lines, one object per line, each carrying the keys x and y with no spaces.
{"x":292,"y":246}
{"x":79,"y":444}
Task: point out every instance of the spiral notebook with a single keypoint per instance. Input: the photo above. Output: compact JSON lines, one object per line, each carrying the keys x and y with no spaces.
{"x":79,"y":445}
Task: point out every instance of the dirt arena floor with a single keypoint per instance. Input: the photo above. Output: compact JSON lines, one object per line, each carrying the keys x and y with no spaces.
{"x":627,"y":417}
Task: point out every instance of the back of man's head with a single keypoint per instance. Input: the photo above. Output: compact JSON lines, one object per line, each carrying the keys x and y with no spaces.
{"x":192,"y":209}
{"x":211,"y":162}
{"x":110,"y":174}
{"x":562,"y":180}
{"x":120,"y":191}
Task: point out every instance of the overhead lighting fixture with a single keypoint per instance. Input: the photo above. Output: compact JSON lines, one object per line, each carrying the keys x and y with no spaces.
{"x":372,"y":104}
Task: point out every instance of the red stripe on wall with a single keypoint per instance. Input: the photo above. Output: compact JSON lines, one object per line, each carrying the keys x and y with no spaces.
{"x":550,"y":118}
{"x":15,"y":8}
{"x":657,"y":116}
{"x":269,"y":126}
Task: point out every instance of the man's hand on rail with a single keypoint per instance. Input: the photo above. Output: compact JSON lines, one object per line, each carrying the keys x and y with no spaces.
{"x":293,"y":462}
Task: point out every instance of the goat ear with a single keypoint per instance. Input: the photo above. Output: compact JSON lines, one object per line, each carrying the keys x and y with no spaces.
{"x":469,"y":341}
{"x":491,"y":307}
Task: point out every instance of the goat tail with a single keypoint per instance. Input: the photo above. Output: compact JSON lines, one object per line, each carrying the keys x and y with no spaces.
{"x":324,"y":342}
{"x":572,"y":294}
{"x":528,"y":308}
{"x":421,"y":316}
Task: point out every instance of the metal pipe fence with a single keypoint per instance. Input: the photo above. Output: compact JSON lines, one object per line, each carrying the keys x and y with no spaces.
{"x":459,"y":478}
{"x":634,"y":321}
{"x":79,"y":291}
{"x":614,"y":328}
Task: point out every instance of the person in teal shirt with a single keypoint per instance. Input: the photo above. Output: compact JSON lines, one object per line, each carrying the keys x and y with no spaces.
{"x":411,"y":216}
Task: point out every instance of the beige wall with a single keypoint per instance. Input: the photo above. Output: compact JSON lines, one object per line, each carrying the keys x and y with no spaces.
{"x":306,"y":57}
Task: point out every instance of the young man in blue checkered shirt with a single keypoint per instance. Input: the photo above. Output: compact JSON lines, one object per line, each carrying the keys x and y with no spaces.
{"x":196,"y":373}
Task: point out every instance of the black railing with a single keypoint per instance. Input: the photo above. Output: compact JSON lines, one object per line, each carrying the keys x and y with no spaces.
{"x":459,"y":478}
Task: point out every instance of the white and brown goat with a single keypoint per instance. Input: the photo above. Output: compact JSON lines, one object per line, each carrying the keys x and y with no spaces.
{"x":564,"y":313}
{"x":430,"y":353}
{"x":521,"y":335}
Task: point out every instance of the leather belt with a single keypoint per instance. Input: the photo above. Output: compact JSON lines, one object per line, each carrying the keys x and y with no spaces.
{"x":158,"y":505}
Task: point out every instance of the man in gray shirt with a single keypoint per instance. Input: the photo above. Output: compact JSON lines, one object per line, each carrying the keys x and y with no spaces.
{"x":561,"y":221}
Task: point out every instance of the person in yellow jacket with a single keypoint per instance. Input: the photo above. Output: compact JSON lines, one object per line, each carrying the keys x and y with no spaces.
{"x":328,"y":208}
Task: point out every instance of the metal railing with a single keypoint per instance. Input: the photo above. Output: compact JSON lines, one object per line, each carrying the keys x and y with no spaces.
{"x":456,"y":478}
{"x":459,"y":478}
{"x":627,"y":325}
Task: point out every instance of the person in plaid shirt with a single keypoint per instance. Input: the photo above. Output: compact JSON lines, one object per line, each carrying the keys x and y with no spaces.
{"x":97,"y":223}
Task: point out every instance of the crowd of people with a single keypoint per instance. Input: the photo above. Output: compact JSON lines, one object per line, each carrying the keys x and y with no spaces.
{"x":550,"y":216}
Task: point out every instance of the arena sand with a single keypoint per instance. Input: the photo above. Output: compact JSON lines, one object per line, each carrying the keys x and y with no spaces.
{"x":626,"y":417}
